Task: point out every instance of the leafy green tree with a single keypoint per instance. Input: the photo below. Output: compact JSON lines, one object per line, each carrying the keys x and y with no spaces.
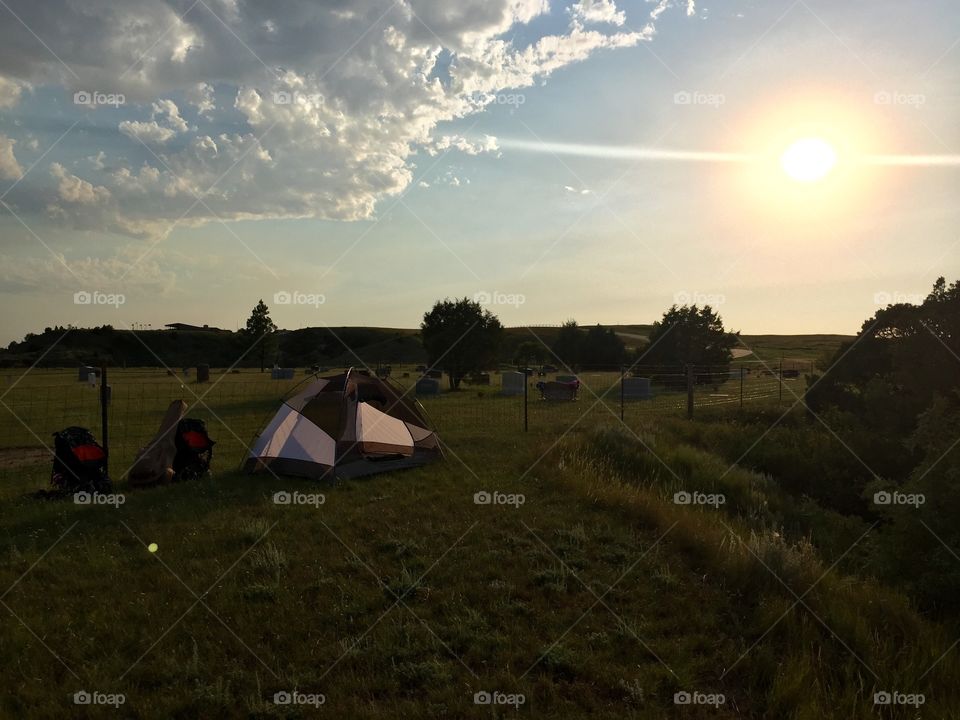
{"x":690,"y":335}
{"x":603,"y":348}
{"x":261,"y":331}
{"x":921,"y":529}
{"x":529,"y":352}
{"x":569,"y":344}
{"x":460,"y":337}
{"x":901,"y":360}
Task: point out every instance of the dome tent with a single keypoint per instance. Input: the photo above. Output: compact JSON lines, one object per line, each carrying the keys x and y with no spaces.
{"x":348,"y":425}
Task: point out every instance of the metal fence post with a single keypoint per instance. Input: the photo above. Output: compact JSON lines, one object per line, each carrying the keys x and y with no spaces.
{"x":780,"y":399}
{"x":621,"y":393}
{"x":741,"y":386}
{"x":689,"y":392}
{"x":526,"y":382}
{"x":104,"y":422}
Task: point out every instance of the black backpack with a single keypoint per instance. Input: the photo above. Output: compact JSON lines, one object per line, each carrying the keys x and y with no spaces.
{"x":194,"y":450}
{"x":79,"y":463}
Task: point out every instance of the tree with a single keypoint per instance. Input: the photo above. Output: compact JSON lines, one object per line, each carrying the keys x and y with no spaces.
{"x":689,"y":335}
{"x":903,"y":358}
{"x":460,"y":337}
{"x":569,"y":344}
{"x":260,"y":328}
{"x":529,"y":352}
{"x":603,"y":348}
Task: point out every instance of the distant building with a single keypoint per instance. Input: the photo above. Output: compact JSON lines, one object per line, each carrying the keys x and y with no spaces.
{"x":198,"y":328}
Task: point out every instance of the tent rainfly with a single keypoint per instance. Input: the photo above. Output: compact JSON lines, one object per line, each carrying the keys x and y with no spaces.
{"x":348,"y":425}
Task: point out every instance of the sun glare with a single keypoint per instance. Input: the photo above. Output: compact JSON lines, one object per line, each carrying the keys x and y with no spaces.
{"x":809,"y":160}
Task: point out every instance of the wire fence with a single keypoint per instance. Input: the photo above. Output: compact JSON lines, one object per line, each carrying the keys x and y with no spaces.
{"x":237,"y":405}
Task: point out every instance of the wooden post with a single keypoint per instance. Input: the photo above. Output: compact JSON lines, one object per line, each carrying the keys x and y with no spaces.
{"x":104,"y":423}
{"x":689,"y":392}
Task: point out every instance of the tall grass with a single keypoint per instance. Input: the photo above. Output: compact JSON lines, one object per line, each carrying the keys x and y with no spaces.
{"x":816,"y":642}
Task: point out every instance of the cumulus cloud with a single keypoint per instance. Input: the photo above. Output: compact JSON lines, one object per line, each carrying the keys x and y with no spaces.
{"x":321,"y":104}
{"x":157,"y":132}
{"x":9,"y":167}
{"x":97,"y":160}
{"x":200,"y":96}
{"x":597,"y":11}
{"x":488,"y":144}
{"x":10,"y":91}
{"x":72,"y":189}
{"x":661,"y":7}
{"x":168,"y":110}
{"x":149,"y":133}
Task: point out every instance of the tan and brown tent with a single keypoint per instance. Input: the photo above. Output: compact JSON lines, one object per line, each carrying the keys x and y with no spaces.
{"x":154,"y":463}
{"x":347,"y":425}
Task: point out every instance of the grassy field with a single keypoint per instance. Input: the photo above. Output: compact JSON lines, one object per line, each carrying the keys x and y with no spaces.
{"x":771,"y":348}
{"x":398,"y":596}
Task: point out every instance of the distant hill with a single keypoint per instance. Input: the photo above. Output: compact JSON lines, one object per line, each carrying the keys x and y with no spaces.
{"x":336,"y":347}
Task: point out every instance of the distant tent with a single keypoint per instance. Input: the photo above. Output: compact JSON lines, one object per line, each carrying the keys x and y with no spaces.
{"x":348,"y":425}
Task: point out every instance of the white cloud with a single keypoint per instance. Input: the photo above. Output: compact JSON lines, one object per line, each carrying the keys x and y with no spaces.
{"x":597,"y":11}
{"x":173,"y":120}
{"x":125,"y":271}
{"x":150,"y":133}
{"x":332,"y":99}
{"x":200,"y":96}
{"x":153,"y":132}
{"x":488,"y":144}
{"x":72,"y":189}
{"x":9,"y":167}
{"x":10,"y":91}
{"x":97,"y":160}
{"x":661,"y":8}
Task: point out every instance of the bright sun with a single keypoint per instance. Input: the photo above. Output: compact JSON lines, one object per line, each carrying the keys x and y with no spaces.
{"x":808,"y":160}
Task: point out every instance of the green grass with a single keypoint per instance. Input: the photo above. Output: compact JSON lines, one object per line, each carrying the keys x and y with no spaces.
{"x":399,"y":597}
{"x":812,"y":348}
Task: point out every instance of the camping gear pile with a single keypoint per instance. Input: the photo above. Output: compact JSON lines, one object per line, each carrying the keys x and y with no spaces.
{"x":347,"y":425}
{"x":181,"y":450}
{"x":79,"y":463}
{"x":194,"y":450}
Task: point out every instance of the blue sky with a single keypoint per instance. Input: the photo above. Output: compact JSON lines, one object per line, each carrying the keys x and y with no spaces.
{"x":406,"y":167}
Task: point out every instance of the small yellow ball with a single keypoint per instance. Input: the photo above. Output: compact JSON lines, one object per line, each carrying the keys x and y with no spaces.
{"x":152,"y":547}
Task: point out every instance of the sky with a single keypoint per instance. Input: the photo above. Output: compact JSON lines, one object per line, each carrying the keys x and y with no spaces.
{"x":353,"y":162}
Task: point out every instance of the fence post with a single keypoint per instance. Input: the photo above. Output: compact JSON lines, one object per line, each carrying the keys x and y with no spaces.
{"x":741,"y":387}
{"x":689,"y":392}
{"x":621,"y":393}
{"x":526,"y":382}
{"x":104,"y":422}
{"x":780,"y":399}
